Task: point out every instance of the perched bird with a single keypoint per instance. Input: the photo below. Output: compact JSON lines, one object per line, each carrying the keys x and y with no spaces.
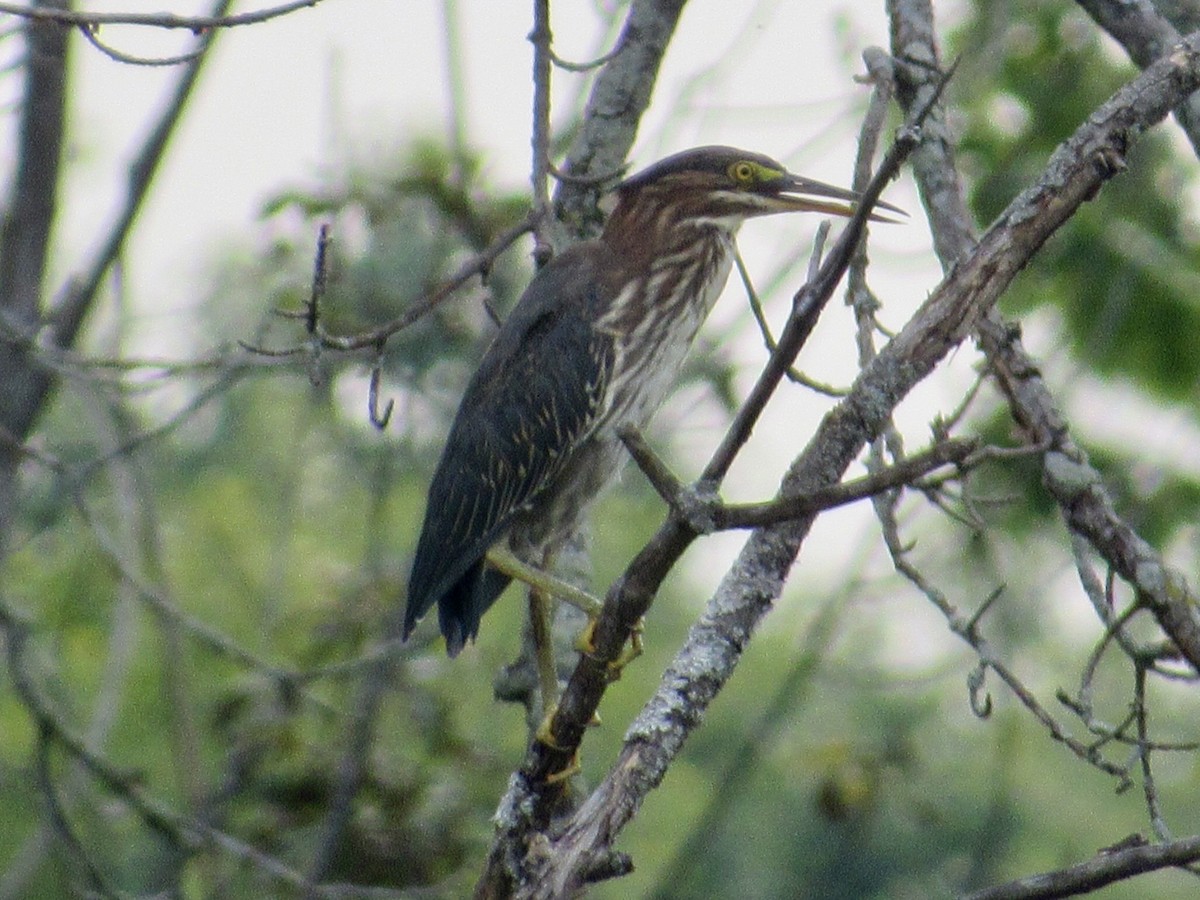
{"x":594,"y":343}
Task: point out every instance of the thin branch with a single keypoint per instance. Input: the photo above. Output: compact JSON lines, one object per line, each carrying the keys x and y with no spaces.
{"x":196,"y":24}
{"x":1109,"y":866}
{"x":456,"y":91}
{"x":568,"y":66}
{"x":1149,"y":788}
{"x":60,"y":824}
{"x":967,"y":628}
{"x":794,"y":375}
{"x":476,"y":265}
{"x":719,"y":516}
{"x":543,"y":215}
{"x":93,"y":38}
{"x":379,"y":418}
{"x":904,"y":472}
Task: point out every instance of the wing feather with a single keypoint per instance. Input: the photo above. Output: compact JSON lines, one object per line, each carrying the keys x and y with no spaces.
{"x":535,"y":397}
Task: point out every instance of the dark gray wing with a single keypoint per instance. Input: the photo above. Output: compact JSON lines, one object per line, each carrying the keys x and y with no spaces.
{"x":533,"y":400}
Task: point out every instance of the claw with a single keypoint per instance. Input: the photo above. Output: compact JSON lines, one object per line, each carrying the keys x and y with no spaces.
{"x":584,"y":643}
{"x":630,"y":653}
{"x":545,"y":736}
{"x":573,"y":768}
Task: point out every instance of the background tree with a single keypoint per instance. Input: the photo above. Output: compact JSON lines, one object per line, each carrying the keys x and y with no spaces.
{"x":991,"y":676}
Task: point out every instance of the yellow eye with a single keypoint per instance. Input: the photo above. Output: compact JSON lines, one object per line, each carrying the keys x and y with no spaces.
{"x":742,"y":173}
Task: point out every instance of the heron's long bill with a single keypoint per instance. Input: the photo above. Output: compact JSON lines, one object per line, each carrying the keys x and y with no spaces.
{"x":798,"y":193}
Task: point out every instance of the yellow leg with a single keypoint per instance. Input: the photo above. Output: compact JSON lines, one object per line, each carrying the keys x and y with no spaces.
{"x":502,"y":559}
{"x":542,"y":585}
{"x":543,"y":643}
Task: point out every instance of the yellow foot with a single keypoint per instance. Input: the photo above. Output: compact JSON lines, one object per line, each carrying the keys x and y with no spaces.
{"x":545,"y":736}
{"x":586,"y":645}
{"x":573,"y":768}
{"x":630,"y":653}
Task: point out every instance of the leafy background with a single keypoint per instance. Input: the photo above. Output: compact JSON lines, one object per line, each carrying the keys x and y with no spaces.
{"x":843,"y":761}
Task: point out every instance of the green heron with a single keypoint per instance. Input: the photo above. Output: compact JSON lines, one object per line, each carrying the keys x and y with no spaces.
{"x":593,"y":345}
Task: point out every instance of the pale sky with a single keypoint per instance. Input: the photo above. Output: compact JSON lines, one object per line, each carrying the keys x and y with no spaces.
{"x":282,"y":102}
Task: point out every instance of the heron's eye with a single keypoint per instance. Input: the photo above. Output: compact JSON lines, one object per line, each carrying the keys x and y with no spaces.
{"x":743,"y":173}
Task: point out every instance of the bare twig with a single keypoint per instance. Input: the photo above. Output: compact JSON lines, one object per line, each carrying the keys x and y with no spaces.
{"x":1134,"y":857}
{"x":93,"y":38}
{"x":793,"y":374}
{"x":476,"y":265}
{"x":1149,"y":788}
{"x":723,"y":517}
{"x":377,"y":417}
{"x":543,"y":216}
{"x":195,"y":24}
{"x":967,"y":628}
{"x":568,"y":66}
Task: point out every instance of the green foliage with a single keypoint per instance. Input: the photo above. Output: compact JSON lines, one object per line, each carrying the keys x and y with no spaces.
{"x":1122,"y":274}
{"x":1120,"y":278}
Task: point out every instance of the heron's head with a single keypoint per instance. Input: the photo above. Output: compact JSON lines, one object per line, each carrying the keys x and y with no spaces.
{"x":724,"y":186}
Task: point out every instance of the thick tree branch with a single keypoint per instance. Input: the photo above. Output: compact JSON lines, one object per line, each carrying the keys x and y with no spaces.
{"x":614,"y":109}
{"x":29,"y":212}
{"x":1085,"y":503}
{"x":713,"y":648}
{"x":1146,"y":35}
{"x":25,"y":237}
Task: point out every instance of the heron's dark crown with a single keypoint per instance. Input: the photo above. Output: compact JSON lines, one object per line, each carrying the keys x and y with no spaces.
{"x":708,"y":182}
{"x":715,"y":165}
